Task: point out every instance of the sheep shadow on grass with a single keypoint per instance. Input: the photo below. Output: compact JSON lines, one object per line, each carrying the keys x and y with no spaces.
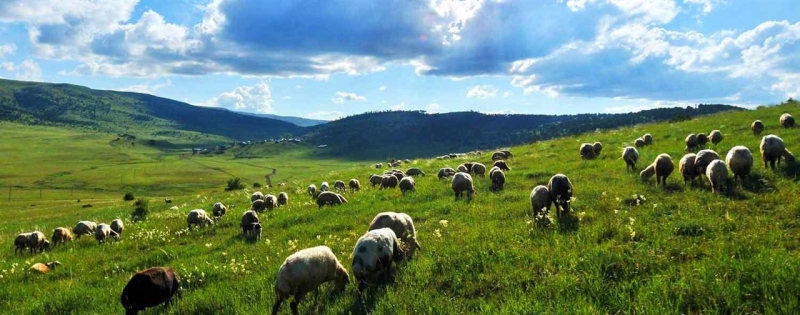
{"x":367,"y":299}
{"x":568,"y":222}
{"x":758,"y":184}
{"x":790,"y":171}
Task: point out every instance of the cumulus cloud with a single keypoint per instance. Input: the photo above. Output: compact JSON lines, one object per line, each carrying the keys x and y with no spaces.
{"x":28,"y":70}
{"x":382,"y":88}
{"x":325,"y":115}
{"x":7,"y":49}
{"x":253,"y":98}
{"x":482,"y":91}
{"x":147,"y":88}
{"x":7,"y":66}
{"x":433,"y":107}
{"x":400,"y":106}
{"x":342,"y":97}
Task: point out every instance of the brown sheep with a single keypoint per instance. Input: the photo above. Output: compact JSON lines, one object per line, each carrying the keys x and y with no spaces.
{"x":44,"y":268}
{"x":148,"y":288}
{"x":304,"y":271}
{"x":60,"y":236}
{"x":330,"y":198}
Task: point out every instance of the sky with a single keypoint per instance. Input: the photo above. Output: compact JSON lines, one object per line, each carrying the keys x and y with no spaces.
{"x":326,"y":59}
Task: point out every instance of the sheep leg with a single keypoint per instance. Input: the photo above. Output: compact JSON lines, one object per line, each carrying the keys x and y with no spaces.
{"x":277,"y":305}
{"x":293,"y":305}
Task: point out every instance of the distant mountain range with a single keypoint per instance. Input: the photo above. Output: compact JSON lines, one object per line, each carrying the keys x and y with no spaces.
{"x":372,"y":135}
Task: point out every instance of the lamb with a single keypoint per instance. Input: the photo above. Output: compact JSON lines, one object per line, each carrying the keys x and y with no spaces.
{"x":703,"y":158}
{"x":148,"y":288}
{"x":84,"y":228}
{"x":415,"y":172}
{"x":373,"y":256}
{"x":639,"y":142}
{"x":44,"y":268}
{"x":446,"y":172}
{"x":715,"y":136}
{"x":312,"y":190}
{"x":103,"y":233}
{"x":403,"y":227}
{"x":198,"y":217}
{"x":389,"y":181}
{"x":304,"y":271}
{"x":702,"y":139}
{"x":258,"y":205}
{"x":283,"y":199}
{"x":462,"y":168}
{"x":330,"y":198}
{"x":772,"y":149}
{"x":787,"y":121}
{"x":560,"y":189}
{"x":662,"y":167}
{"x":502,"y":165}
{"x":117,"y":226}
{"x":257,"y":196}
{"x":498,"y":179}
{"x":248,"y":218}
{"x":630,"y":155}
{"x":757,"y":127}
{"x":687,"y":168}
{"x":691,"y":143}
{"x":339,"y":185}
{"x":218,"y":210}
{"x":740,"y":162}
{"x":648,"y":139}
{"x":463,"y":182}
{"x":35,"y":241}
{"x":407,"y":184}
{"x":375,"y":179}
{"x":498,"y":156}
{"x":60,"y":236}
{"x":256,"y":229}
{"x":717,"y":173}
{"x":597,"y":148}
{"x":540,"y":200}
{"x":270,"y":201}
{"x":587,"y":151}
{"x":324,"y":187}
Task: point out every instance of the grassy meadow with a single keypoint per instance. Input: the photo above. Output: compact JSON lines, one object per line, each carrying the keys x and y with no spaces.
{"x":627,"y":247}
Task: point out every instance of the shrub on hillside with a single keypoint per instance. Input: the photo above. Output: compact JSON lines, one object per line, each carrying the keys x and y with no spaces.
{"x":128,"y":196}
{"x":140,"y":210}
{"x":235,"y":184}
{"x":256,"y":185}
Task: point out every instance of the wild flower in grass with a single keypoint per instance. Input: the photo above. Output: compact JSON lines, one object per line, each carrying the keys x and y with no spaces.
{"x":655,"y":205}
{"x":208,"y":244}
{"x":443,"y":223}
{"x":616,"y":211}
{"x":437,"y":233}
{"x":318,"y":237}
{"x":632,"y":232}
{"x":581,"y":215}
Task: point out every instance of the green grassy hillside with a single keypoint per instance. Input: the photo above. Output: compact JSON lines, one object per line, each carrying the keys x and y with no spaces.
{"x":628,"y":247}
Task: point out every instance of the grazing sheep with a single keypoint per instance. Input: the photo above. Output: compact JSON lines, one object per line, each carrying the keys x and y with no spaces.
{"x":647,"y":172}
{"x":691,"y":143}
{"x":415,"y":172}
{"x":219,"y":210}
{"x":648,"y":139}
{"x":502,"y":165}
{"x":478,"y":169}
{"x":403,"y":227}
{"x":324,"y":187}
{"x":462,"y":168}
{"x":687,"y":168}
{"x":375,"y":179}
{"x":270,"y":201}
{"x":167,"y":200}
{"x":703,"y":158}
{"x":339,"y":185}
{"x":354,"y":185}
{"x":117,"y":226}
{"x":772,"y":149}
{"x":560,"y":189}
{"x":702,"y":139}
{"x":587,"y":151}
{"x":498,"y":179}
{"x":597,"y":148}
{"x":248,"y":218}
{"x":103,"y":233}
{"x":498,"y":156}
{"x":717,"y":173}
{"x":373,"y":256}
{"x":330,"y":198}
{"x":407,"y":184}
{"x":446,"y":172}
{"x":304,"y":271}
{"x":540,"y":200}
{"x":198,"y":217}
{"x":44,"y":268}
{"x":312,"y":190}
{"x":639,"y":143}
{"x":148,"y":288}
{"x":257,"y":196}
{"x":757,"y":127}
{"x":84,"y":228}
{"x":378,"y":165}
{"x":256,"y":229}
{"x":507,"y":153}
{"x":787,"y":121}
{"x":389,"y":181}
{"x":740,"y":162}
{"x":283,"y":199}
{"x":399,"y":174}
{"x":469,"y":166}
{"x":463,"y":182}
{"x":715,"y":136}
{"x":630,"y":155}
{"x":663,"y":166}
{"x":258,"y":205}
{"x":61,"y":235}
{"x":35,"y":241}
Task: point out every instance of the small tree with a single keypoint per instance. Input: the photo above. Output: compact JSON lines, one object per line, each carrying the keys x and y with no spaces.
{"x":235,"y":184}
{"x":256,"y":185}
{"x":128,"y":196}
{"x":140,"y":210}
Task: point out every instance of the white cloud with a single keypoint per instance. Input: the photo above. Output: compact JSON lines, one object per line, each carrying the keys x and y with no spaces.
{"x":482,"y":91}
{"x":576,"y":5}
{"x":400,"y":106}
{"x":28,"y":70}
{"x":299,"y":87}
{"x":661,"y":11}
{"x":7,"y":49}
{"x":708,"y":5}
{"x":325,"y":115}
{"x":507,"y":94}
{"x":433,"y":107}
{"x":342,"y":97}
{"x":286,"y":97}
{"x":7,"y":66}
{"x":501,"y":112}
{"x":382,"y":88}
{"x":643,"y":104}
{"x":147,"y":88}
{"x":253,"y":98}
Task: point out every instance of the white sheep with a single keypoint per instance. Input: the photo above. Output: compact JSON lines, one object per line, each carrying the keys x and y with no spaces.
{"x":330,"y":198}
{"x":354,"y":185}
{"x":446,"y":172}
{"x":498,"y":178}
{"x":117,"y":226}
{"x":257,"y":230}
{"x":61,"y":235}
{"x":312,"y":190}
{"x":702,"y":139}
{"x":407,"y":184}
{"x":687,"y":168}
{"x":717,"y":173}
{"x":35,"y":241}
{"x":740,"y":162}
{"x":560,"y":188}
{"x":691,"y":142}
{"x":389,"y":181}
{"x":339,"y":185}
{"x":198,"y":217}
{"x":540,"y":200}
{"x":403,"y":227}
{"x":257,"y":196}
{"x":270,"y":201}
{"x":103,"y":232}
{"x":248,"y":219}
{"x":375,"y":179}
{"x":648,"y":139}
{"x":324,"y":187}
{"x":498,"y":156}
{"x":587,"y":151}
{"x":772,"y":149}
{"x":639,"y":143}
{"x":373,"y":256}
{"x":703,"y":158}
{"x":630,"y":155}
{"x":304,"y":271}
{"x":715,"y":136}
{"x":415,"y":172}
{"x":662,"y":167}
{"x":219,"y":210}
{"x":84,"y":228}
{"x":462,"y":168}
{"x":283,"y":199}
{"x":463,"y":182}
{"x":787,"y":121}
{"x":478,"y":169}
{"x":757,"y":127}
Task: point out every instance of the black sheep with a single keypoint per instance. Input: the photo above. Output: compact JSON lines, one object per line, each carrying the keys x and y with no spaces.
{"x":148,"y":288}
